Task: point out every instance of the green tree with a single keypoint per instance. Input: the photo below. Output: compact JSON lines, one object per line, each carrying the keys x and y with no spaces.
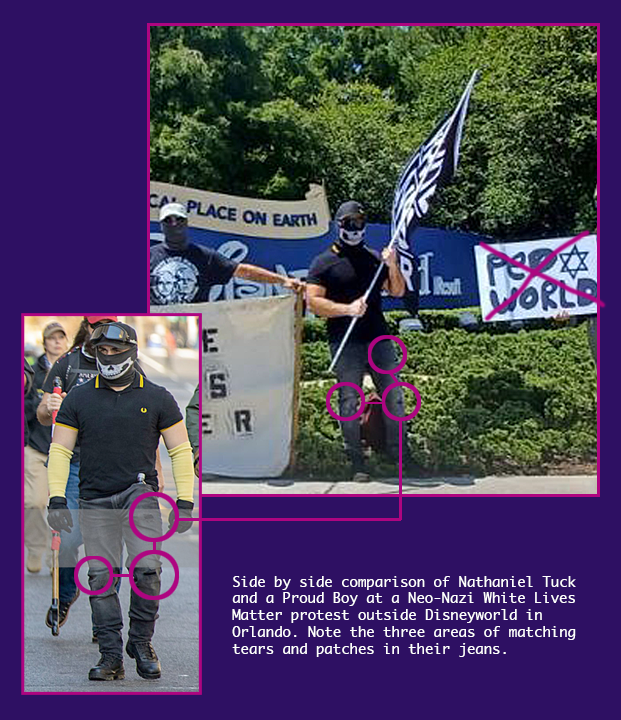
{"x":530,"y":145}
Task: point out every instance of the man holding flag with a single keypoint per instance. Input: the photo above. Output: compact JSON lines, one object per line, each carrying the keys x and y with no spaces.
{"x":336,"y":278}
{"x":336,"y":284}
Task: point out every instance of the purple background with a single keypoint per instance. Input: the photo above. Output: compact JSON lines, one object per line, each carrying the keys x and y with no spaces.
{"x":74,"y":161}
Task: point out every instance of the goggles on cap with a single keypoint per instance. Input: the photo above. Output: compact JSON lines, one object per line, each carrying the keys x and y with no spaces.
{"x":353,"y":224}
{"x":112,"y":332}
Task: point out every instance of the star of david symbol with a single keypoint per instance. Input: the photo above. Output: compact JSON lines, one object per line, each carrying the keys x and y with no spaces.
{"x":570,"y":259}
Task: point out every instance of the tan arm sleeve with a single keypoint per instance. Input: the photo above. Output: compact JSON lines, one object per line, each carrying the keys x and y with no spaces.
{"x":58,"y":469}
{"x":183,"y":470}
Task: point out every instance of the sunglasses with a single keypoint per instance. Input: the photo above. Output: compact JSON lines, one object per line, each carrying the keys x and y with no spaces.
{"x":112,"y":332}
{"x":352,"y":224}
{"x":174,"y":220}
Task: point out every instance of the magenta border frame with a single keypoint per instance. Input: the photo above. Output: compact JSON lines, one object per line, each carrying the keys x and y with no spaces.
{"x":23,"y":587}
{"x":149,"y":25}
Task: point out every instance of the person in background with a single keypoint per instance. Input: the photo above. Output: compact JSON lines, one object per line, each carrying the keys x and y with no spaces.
{"x":592,"y":323}
{"x":28,"y":381}
{"x":193,"y":424}
{"x":170,"y":342}
{"x":184,"y":272}
{"x":36,"y":532}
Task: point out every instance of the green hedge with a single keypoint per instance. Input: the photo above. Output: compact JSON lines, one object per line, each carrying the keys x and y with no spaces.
{"x":315,"y":329}
{"x":521,"y":402}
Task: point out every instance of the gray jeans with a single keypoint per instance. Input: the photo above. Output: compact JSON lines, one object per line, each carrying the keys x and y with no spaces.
{"x":105,"y":527}
{"x":351,"y":367}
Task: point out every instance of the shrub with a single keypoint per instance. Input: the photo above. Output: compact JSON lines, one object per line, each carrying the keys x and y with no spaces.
{"x":492,"y":402}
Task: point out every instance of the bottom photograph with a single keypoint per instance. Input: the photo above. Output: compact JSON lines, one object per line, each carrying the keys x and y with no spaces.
{"x":111,"y":540}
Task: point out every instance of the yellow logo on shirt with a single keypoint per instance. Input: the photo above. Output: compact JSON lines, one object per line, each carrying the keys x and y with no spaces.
{"x":143,"y":410}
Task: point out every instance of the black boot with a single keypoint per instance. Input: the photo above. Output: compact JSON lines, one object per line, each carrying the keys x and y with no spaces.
{"x":109,"y":667}
{"x":147,"y":664}
{"x":63,"y":611}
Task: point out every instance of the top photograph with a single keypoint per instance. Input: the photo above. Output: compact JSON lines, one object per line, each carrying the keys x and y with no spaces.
{"x":389,"y":234}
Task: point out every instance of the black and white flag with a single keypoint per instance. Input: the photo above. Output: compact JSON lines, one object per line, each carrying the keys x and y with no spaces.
{"x":431,"y":166}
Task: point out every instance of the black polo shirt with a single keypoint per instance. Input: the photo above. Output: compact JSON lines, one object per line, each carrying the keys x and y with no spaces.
{"x":346,"y":273}
{"x":118,"y":432}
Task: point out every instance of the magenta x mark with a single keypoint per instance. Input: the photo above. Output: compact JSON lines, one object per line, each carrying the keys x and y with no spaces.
{"x":536,"y":272}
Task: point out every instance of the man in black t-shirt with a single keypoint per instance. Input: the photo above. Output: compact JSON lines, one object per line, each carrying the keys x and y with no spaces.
{"x":118,"y":418}
{"x":336,"y":283}
{"x":183,"y":272}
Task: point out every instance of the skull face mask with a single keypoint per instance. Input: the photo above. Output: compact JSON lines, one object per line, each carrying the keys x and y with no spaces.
{"x":351,"y":222}
{"x":118,"y":369}
{"x":351,"y":232}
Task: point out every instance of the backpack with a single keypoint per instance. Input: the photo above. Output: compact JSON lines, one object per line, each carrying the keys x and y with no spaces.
{"x":372,"y":431}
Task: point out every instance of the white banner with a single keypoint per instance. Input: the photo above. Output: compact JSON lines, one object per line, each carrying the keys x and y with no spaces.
{"x":248,"y":384}
{"x":253,"y":217}
{"x":575,"y":267}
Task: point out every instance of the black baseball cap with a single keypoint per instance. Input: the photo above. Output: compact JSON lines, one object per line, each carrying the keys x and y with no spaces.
{"x":117,"y":334}
{"x":349,"y":208}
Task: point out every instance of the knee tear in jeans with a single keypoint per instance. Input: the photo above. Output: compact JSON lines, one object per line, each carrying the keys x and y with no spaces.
{"x":98,"y":580}
{"x":148,"y":578}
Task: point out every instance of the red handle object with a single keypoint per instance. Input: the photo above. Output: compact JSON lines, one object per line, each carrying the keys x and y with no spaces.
{"x":57,"y":391}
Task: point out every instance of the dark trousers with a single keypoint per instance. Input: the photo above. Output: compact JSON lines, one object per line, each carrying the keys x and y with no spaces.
{"x":105,"y":526}
{"x":351,"y":367}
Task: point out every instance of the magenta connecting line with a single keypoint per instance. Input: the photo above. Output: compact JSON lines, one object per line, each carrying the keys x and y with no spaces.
{"x":398,"y":518}
{"x":536,"y":272}
{"x":363,"y":402}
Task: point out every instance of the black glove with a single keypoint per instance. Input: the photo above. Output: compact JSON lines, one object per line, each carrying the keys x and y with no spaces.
{"x":185,"y":508}
{"x":58,"y":515}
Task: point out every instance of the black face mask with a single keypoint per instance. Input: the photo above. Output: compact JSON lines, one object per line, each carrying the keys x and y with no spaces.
{"x":176,"y":235}
{"x":120,"y":369}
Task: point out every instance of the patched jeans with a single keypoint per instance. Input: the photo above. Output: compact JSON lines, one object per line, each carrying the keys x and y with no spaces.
{"x":105,"y":527}
{"x":351,"y":367}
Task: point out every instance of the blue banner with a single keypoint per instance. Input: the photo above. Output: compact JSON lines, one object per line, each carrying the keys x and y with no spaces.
{"x":446,"y":259}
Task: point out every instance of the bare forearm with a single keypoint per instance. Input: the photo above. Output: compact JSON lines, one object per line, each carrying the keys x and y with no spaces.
{"x":258,"y":274}
{"x":43,"y":415}
{"x":396,"y":282}
{"x":161,"y":482}
{"x":328,"y":308}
